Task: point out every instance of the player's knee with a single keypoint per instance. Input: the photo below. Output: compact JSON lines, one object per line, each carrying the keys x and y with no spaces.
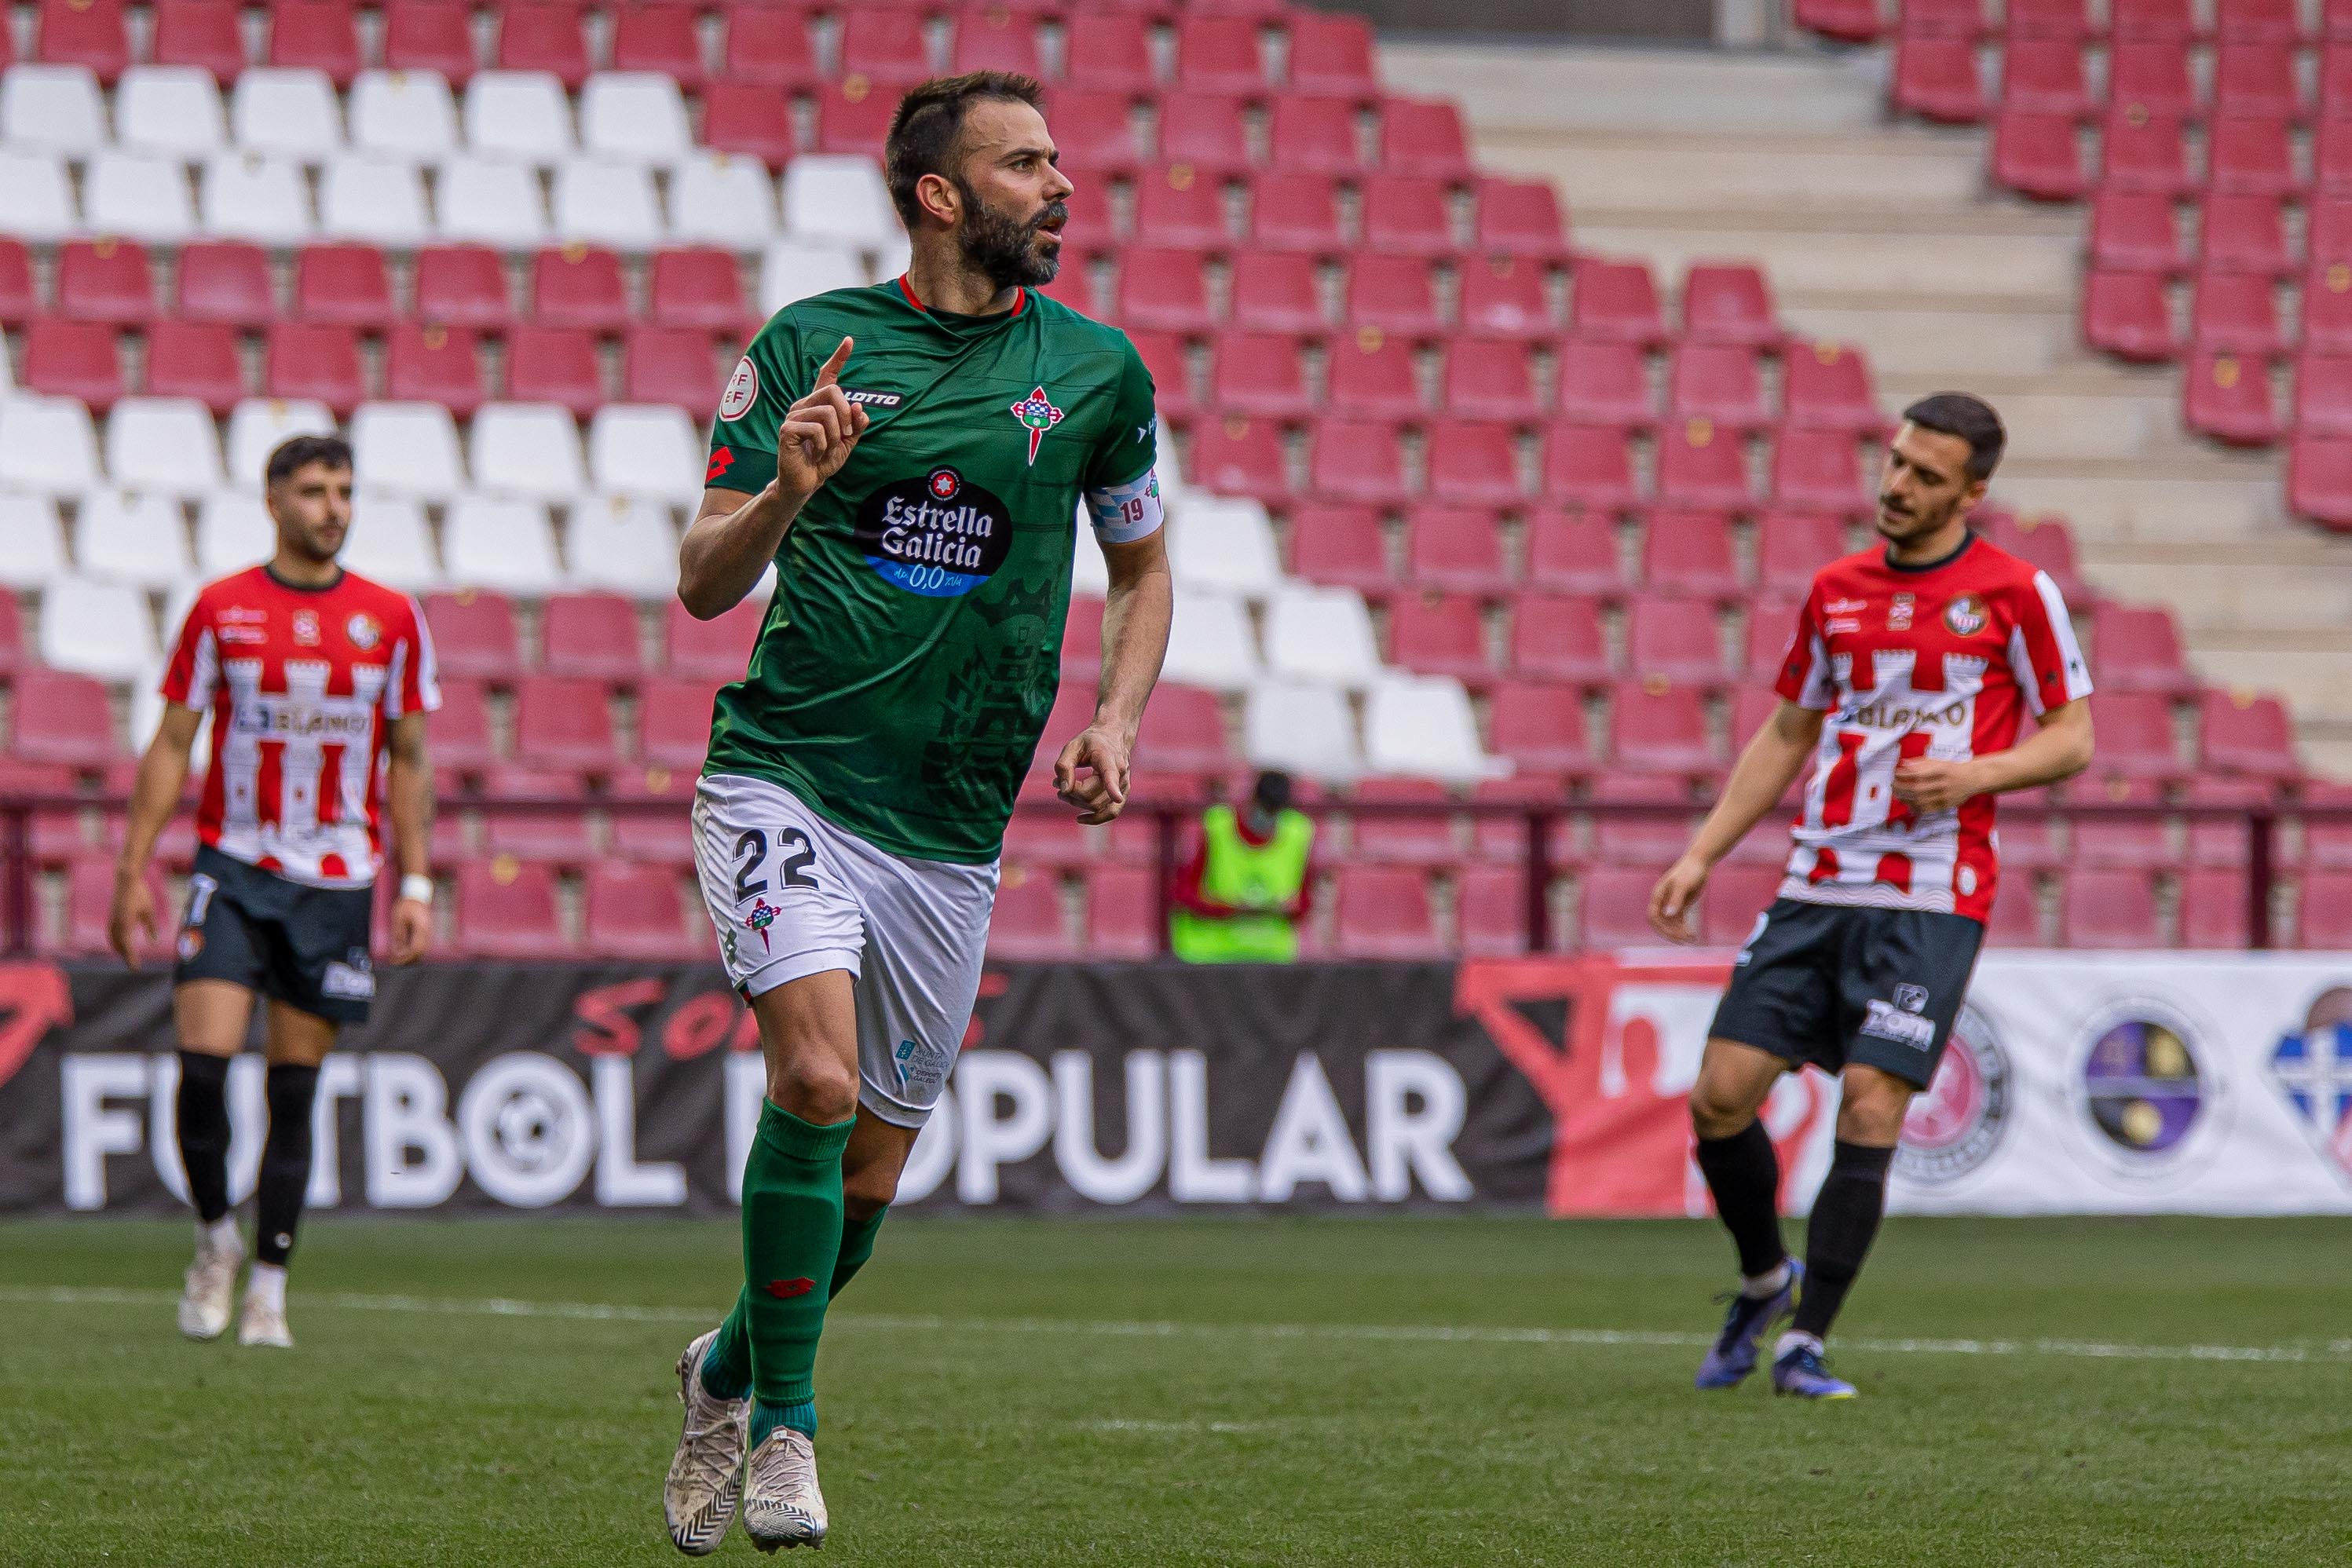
{"x":866,"y":1193}
{"x":813,"y":1088}
{"x":1871,"y":1108}
{"x":1717,"y":1112}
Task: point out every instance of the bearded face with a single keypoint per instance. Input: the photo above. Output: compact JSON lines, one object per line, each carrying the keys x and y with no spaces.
{"x":1008,"y":250}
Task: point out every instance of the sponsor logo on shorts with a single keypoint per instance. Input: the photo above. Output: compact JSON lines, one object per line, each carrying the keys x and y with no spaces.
{"x":2312,"y":1069}
{"x":940,"y":536}
{"x":1954,"y":1126}
{"x":1901,"y":1020}
{"x":742,"y":391}
{"x":351,"y":977}
{"x":362,"y":632}
{"x":922,"y":1073}
{"x":1966,"y":615}
{"x":874,"y":398}
{"x":763,"y":914}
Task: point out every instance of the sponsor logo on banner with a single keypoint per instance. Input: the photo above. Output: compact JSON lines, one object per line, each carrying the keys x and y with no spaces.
{"x":2148,"y":1105}
{"x":2312,"y":1069}
{"x":1953,"y":1127}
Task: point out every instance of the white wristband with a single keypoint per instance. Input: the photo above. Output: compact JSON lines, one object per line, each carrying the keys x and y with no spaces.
{"x":419,"y":888}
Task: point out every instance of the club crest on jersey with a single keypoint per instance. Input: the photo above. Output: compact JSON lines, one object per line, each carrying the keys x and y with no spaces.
{"x":1966,"y":615}
{"x":306,"y":628}
{"x":364,"y":631}
{"x":1037,"y":416}
{"x":1899,"y":612}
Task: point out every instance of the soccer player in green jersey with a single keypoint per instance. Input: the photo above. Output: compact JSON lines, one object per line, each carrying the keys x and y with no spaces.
{"x":912,"y":457}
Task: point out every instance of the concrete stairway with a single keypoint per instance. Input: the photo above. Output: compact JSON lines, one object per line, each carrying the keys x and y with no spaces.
{"x":1888,"y":234}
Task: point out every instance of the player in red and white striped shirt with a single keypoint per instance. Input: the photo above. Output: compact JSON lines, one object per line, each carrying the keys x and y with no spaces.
{"x":318,"y":683}
{"x":1906,"y":683}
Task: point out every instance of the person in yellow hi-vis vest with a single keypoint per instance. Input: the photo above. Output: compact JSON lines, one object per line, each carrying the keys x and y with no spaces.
{"x":1240,"y":897}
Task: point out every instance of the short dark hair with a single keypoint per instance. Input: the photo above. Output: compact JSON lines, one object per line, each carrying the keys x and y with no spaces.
{"x":1969,"y":418}
{"x":928,"y":128}
{"x":300,"y":452}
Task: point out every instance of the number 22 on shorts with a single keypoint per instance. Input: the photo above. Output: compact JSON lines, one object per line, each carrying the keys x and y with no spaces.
{"x":765,"y":861}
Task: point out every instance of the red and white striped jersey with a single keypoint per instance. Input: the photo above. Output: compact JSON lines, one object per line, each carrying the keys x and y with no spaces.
{"x":302,"y":684}
{"x":1940,"y":662}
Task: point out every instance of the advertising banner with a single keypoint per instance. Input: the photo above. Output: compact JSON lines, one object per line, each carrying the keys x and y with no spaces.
{"x":2076,"y":1084}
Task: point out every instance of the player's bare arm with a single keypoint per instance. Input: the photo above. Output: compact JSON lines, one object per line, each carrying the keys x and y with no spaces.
{"x":162,"y":773}
{"x":1091,"y":773}
{"x":409,"y":789}
{"x":1773,"y":757}
{"x":2058,"y":751}
{"x":733,"y":538}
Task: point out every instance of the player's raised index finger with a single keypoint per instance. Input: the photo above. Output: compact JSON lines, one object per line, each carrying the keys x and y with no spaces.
{"x":831,"y":372}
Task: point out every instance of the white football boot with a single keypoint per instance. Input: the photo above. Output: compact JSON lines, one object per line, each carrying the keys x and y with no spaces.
{"x":782,"y":1506}
{"x":263,"y":1323}
{"x":706,"y":1474}
{"x":210,"y":1287}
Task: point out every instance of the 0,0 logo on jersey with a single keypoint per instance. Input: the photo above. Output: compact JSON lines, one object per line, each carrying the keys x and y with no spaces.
{"x":939,"y":536}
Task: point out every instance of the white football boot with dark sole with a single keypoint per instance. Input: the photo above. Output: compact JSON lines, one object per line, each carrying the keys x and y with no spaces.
{"x":706,"y":1474}
{"x":781,"y":1505}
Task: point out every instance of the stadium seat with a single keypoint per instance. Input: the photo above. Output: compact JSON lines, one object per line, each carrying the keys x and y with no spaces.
{"x":605,"y":202}
{"x":1423,"y":726}
{"x":503,"y":544}
{"x":2137,"y":648}
{"x":2240,"y":732}
{"x":1123,"y":919}
{"x":1219,"y":54}
{"x":564,"y":723}
{"x":2251,"y":157}
{"x":543,"y":38}
{"x":1699,"y":466}
{"x":106,"y":280}
{"x":2325,"y":911}
{"x":290,"y":112}
{"x":671,"y":365}
{"x":622,"y":543}
{"x":853,"y":120}
{"x":748,"y":120}
{"x":1275,"y":292}
{"x":2257,"y":22}
{"x":996,"y":38}
{"x":78,"y":359}
{"x":200,"y":33}
{"x":435,"y":364}
{"x":1424,"y":838}
{"x":2126,"y":314}
{"x":2131,"y":842}
{"x":1688,"y":552}
{"x":245,"y":196}
{"x":314,"y":360}
{"x":1384,"y":911}
{"x":530,"y":450}
{"x":91,"y":34}
{"x":1331,"y":54}
{"x":408,"y":115}
{"x":32,"y":541}
{"x":636,"y":911}
{"x":1320,"y":634}
{"x":1183,"y":734}
{"x":1456,"y":547}
{"x":2140,"y":151}
{"x":345,"y":284}
{"x":1604,"y":384}
{"x":2137,"y":230}
{"x":1211,"y":642}
{"x":2229,"y":398}
{"x":136,"y":196}
{"x":769,"y":45}
{"x":789,"y":272}
{"x":1731,"y":303}
{"x":1504,"y":296}
{"x":1936,"y":79}
{"x":506,"y":909}
{"x":582,"y":286}
{"x":2105,"y":908}
{"x":1819,"y":469}
{"x":1614,"y":908}
{"x":1165,"y":356}
{"x":1392,"y":294}
{"x":647,"y":450}
{"x":389,"y":541}
{"x":256,"y":426}
{"x":1425,"y":137}
{"x":2038,"y":155}
{"x":1541,"y":727}
{"x":61,"y":717}
{"x":2046,"y":75}
{"x":1167,"y":290}
{"x":1675,"y":639}
{"x":1720,"y":382}
{"x":592,"y":636}
{"x":1358,"y":460}
{"x":226,"y":281}
{"x":1656,"y":726}
{"x":1765,"y":638}
{"x":1791,"y":546}
{"x":1438,"y":633}
{"x":19,"y":302}
{"x":1589,"y":466}
{"x":2323,"y":394}
{"x":1238,"y":455}
{"x":475,"y":633}
{"x":53,"y":108}
{"x":1472,"y":462}
{"x":2319,"y":480}
{"x":2256,"y":80}
{"x":433,"y":37}
{"x":1295,"y":211}
{"x":233,"y":532}
{"x":2152,"y":21}
{"x":320,"y":36}
{"x":1180,"y":207}
{"x":2236,"y":314}
{"x":521,"y":115}
{"x":135,"y":538}
{"x":1225,"y":547}
{"x":1205,"y":133}
{"x":1559,"y":637}
{"x":464,"y":285}
{"x":1315,"y":134}
{"x":884,"y":45}
{"x":717,"y":649}
{"x":1028,"y":921}
{"x":2136,"y":735}
{"x":492,"y":202}
{"x":166,"y":445}
{"x":1616,"y":302}
{"x":674,"y":722}
{"x":659,"y":39}
{"x":634,"y":117}
{"x":98,"y":628}
{"x":1340,"y":546}
{"x":48,"y":445}
{"x":2148,"y":79}
{"x":409,"y":449}
{"x":1520,"y":218}
{"x":1094,"y":129}
{"x":2047,"y":543}
{"x":555,"y":365}
{"x":2331,"y":156}
{"x":1402,"y":214}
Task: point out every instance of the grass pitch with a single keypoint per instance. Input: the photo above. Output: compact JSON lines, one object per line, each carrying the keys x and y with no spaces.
{"x":1437,"y":1392}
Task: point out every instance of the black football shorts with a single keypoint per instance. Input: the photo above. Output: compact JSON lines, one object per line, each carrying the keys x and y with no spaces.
{"x":1831,"y":985}
{"x":305,"y":946}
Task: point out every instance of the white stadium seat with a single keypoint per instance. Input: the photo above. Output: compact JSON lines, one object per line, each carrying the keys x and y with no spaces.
{"x":166,"y":444}
{"x":1225,"y":544}
{"x":1173,"y":490}
{"x":1320,"y":634}
{"x":838,"y":196}
{"x":506,"y":545}
{"x":1303,"y":729}
{"x":718,"y":199}
{"x":1422,"y":726}
{"x":288,"y":110}
{"x":406,"y":449}
{"x":793,"y":269}
{"x":627,"y":546}
{"x":378,"y":199}
{"x":141,"y":196}
{"x":390,"y":542}
{"x":599,"y":201}
{"x":57,"y":109}
{"x":403,"y":114}
{"x":32,"y":541}
{"x":1089,"y":573}
{"x":259,"y":424}
{"x":638,"y":117}
{"x":1210,"y":642}
{"x":174,"y":111}
{"x":36,"y":195}
{"x":495,"y":203}
{"x":47,"y":445}
{"x":247,"y":196}
{"x":527,"y":449}
{"x":648,"y":451}
{"x":893,"y":255}
{"x":101,"y":629}
{"x":233,"y":532}
{"x":122,"y":536}
{"x":519,"y":115}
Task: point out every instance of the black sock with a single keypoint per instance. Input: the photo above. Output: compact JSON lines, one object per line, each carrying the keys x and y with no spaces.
{"x":1845,"y":1218}
{"x":201,"y":1115}
{"x":1744,"y":1174}
{"x":285,"y":1161}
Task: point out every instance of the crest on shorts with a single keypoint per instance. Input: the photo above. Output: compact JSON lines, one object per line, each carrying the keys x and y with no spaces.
{"x":1037,"y":416}
{"x":763,"y":914}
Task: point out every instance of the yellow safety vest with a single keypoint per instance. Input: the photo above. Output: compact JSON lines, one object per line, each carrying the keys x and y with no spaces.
{"x":1261,"y":880}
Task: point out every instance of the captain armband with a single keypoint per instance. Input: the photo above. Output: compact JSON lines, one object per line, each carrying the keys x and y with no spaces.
{"x":1125,"y":513}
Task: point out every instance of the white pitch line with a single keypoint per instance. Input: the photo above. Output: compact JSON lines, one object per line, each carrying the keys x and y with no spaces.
{"x":2336,"y":1352}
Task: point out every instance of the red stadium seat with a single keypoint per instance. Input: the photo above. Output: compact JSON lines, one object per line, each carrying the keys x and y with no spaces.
{"x":2246,"y":234}
{"x":1262,"y":373}
{"x":750,"y":119}
{"x":1170,"y":363}
{"x":2319,"y":480}
{"x":2137,"y":230}
{"x":1585,"y":466}
{"x":2109,"y":909}
{"x":1425,"y":136}
{"x":1406,"y":215}
{"x":562,"y":722}
{"x":1108,"y":52}
{"x":62,"y":718}
{"x":1236,"y":455}
{"x":474,"y":634}
{"x":2323,"y":394}
{"x":1574,"y":551}
{"x":1616,"y":302}
{"x":92,"y":32}
{"x":1721,"y":382}
{"x":1827,"y":386}
{"x":1472,"y":462}
{"x":435,"y":364}
{"x":1123,"y":918}
{"x":429,"y":36}
{"x":1457,"y":549}
{"x":345,"y":284}
{"x":463,"y":286}
{"x":506,"y":909}
{"x":1183,"y":733}
{"x":1521,"y":218}
{"x":1027,"y":921}
{"x":1315,"y":134}
{"x":2329,"y":226}
{"x":1333,"y":54}
{"x":1094,"y":128}
{"x":2038,"y":155}
{"x":1604,"y":383}
{"x":318,"y":35}
{"x":672,"y":365}
{"x":2325,"y":910}
{"x":1295,"y":211}
{"x":2253,"y":157}
{"x":1614,"y":907}
{"x":1416,"y":840}
{"x":1219,"y":55}
{"x":1275,"y":292}
{"x":1440,"y":634}
{"x":89,"y":896}
{"x":1559,"y":637}
{"x":2335,"y":73}
{"x":557,"y":365}
{"x":534,"y":38}
{"x":1181,"y":207}
{"x":2229,"y":398}
{"x":592,"y":636}
{"x":2216,"y":908}
{"x":769,"y":45}
{"x":2136,"y":735}
{"x":699,"y":288}
{"x":2047,"y":543}
{"x":1936,"y":79}
{"x":2256,"y":80}
{"x":2133,"y":843}
{"x":1944,"y":19}
{"x":1206,"y":132}
{"x":718,"y":649}
{"x":1735,"y":894}
{"x":1490,"y":907}
{"x":1340,"y":546}
{"x":1765,"y":643}
{"x":1358,"y":460}
{"x":1699,"y":466}
{"x":634,"y":910}
{"x":2142,"y":152}
{"x":996,"y":38}
{"x":2152,"y":21}
{"x":2045,"y":75}
{"x":198,"y":359}
{"x":1166,"y":289}
{"x":19,"y":303}
{"x":1541,"y":727}
{"x":1501,"y":838}
{"x":2151,"y":80}
{"x":1848,"y":21}
{"x":201,"y":32}
{"x":1690,"y":553}
{"x":1819,"y":469}
{"x":1392,"y":294}
{"x":2257,"y":22}
{"x":2139,"y":649}
{"x":578,"y":285}
{"x":1382,"y":912}
{"x":1728,"y":302}
{"x":105,"y":280}
{"x":853,"y":117}
{"x":2240,"y":732}
{"x":1675,"y":639}
{"x":659,"y":38}
{"x":73,"y":359}
{"x":460,"y":726}
{"x":314,"y":360}
{"x":558,"y":837}
{"x":2068,"y":21}
{"x":1505,"y":297}
{"x":1656,"y":726}
{"x":2016,"y":919}
{"x":1792,"y":546}
{"x":2331,"y":155}
{"x":1047,"y":839}
{"x":2126,"y":314}
{"x":1082,"y":647}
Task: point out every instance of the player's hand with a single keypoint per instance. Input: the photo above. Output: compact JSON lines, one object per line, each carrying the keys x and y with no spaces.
{"x":1929,"y":785}
{"x":412,"y":929}
{"x":132,"y":915}
{"x":819,"y":432}
{"x":1091,"y":774}
{"x":1673,"y":903}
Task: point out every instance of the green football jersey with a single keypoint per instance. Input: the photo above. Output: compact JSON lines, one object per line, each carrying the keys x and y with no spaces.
{"x":910,"y":657}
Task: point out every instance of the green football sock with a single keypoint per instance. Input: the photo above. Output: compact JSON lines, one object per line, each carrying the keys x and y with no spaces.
{"x":791,"y":1240}
{"x":856,"y":1246}
{"x":727,"y":1366}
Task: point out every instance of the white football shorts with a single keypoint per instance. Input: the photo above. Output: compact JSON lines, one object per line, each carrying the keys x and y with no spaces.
{"x":792,"y":895}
